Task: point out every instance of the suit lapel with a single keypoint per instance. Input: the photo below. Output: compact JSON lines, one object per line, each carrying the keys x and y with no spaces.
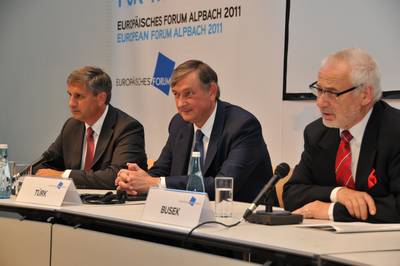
{"x":215,"y":137}
{"x":183,"y":149}
{"x":106,"y":133}
{"x":325,"y":162}
{"x":368,"y":149}
{"x":330,"y":140}
{"x":77,"y":149}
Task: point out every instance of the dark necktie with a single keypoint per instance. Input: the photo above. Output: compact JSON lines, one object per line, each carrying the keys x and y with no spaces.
{"x":89,"y":148}
{"x":344,"y":176}
{"x":198,"y":146}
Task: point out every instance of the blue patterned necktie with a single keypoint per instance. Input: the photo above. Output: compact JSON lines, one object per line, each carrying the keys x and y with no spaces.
{"x":198,"y":146}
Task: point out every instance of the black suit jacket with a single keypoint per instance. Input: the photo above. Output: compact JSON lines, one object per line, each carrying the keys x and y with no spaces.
{"x":314,"y":177}
{"x":236,"y":149}
{"x":121,"y":140}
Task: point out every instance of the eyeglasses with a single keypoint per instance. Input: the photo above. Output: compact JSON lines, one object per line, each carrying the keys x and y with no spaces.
{"x":318,"y":91}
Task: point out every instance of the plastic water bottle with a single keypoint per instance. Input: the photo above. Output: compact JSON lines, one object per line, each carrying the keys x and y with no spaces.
{"x":195,"y":181}
{"x":5,"y":177}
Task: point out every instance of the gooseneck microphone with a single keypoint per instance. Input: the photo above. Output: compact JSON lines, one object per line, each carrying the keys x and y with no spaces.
{"x":280,"y":171}
{"x":45,"y":157}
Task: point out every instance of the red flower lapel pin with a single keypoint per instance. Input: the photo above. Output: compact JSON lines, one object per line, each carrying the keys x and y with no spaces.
{"x":372,"y":179}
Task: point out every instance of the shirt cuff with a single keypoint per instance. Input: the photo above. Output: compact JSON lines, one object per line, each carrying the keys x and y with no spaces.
{"x":330,"y":211}
{"x":333,"y":194}
{"x":162,"y":184}
{"x":66,"y":173}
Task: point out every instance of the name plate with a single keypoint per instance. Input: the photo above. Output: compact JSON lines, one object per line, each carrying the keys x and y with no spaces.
{"x":177,"y":207}
{"x":48,"y":191}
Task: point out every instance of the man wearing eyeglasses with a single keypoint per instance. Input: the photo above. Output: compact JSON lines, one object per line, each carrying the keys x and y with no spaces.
{"x":350,"y":167}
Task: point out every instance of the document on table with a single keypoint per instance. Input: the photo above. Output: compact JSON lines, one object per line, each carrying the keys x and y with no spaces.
{"x":354,"y":227}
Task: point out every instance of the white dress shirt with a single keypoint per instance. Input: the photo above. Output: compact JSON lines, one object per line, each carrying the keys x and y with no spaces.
{"x":357,"y":131}
{"x":206,"y":129}
{"x":96,"y":133}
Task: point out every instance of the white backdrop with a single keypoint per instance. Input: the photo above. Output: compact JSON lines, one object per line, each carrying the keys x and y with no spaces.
{"x":241,"y":40}
{"x":314,"y":33}
{"x":41,"y":43}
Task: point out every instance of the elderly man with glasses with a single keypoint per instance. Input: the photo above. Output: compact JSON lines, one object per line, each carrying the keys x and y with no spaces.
{"x":350,"y":167}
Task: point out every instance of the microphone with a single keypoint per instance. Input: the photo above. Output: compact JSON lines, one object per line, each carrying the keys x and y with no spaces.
{"x":45,"y":157}
{"x":280,"y":171}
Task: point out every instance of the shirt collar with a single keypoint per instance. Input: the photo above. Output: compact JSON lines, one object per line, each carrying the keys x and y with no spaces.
{"x":357,"y":131}
{"x":208,"y":125}
{"x":99,"y":123}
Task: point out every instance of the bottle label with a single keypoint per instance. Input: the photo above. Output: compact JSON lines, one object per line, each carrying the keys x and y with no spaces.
{"x":5,"y":179}
{"x":195,"y":180}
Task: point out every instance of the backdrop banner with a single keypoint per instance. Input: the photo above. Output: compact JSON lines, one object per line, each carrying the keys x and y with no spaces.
{"x":151,"y":37}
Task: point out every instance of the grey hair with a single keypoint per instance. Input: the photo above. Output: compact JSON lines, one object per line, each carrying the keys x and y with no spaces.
{"x":364,"y":70}
{"x":93,"y":79}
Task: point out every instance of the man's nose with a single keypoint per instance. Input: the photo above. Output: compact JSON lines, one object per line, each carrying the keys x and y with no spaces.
{"x":71,"y":102}
{"x":322,"y":101}
{"x":180,"y":101}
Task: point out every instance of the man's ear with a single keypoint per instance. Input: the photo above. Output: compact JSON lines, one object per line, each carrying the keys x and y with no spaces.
{"x":102,"y":97}
{"x":213,"y":90}
{"x":367,"y":95}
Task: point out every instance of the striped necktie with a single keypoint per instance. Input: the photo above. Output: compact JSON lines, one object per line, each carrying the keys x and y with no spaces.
{"x":344,"y":177}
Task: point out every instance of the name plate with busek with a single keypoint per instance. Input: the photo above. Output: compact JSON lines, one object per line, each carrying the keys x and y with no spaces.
{"x":48,"y":191}
{"x":177,"y":207}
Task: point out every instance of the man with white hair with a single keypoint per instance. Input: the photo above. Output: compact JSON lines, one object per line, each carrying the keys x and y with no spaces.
{"x":350,"y":167}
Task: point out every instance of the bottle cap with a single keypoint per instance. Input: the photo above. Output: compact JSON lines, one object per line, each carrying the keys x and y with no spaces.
{"x":3,"y":146}
{"x":196,"y":154}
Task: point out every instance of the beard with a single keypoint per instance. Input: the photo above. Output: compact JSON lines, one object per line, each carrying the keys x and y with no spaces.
{"x":330,"y":124}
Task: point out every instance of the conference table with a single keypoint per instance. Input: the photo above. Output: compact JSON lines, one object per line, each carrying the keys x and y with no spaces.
{"x":116,"y":234}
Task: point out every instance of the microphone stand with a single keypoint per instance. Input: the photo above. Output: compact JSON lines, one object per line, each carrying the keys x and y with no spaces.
{"x":270,"y":217}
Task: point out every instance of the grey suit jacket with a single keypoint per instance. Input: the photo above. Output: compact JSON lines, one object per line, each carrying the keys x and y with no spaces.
{"x":121,"y":140}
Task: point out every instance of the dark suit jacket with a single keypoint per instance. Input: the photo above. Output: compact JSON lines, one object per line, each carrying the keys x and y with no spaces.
{"x":121,"y":140}
{"x":236,"y":149}
{"x":314,"y":177}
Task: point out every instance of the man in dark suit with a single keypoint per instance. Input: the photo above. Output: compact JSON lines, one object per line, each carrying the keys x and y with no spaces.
{"x":232,"y":138}
{"x":350,"y":167}
{"x":99,"y":139}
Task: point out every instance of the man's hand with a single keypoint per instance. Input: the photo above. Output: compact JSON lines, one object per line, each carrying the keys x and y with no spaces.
{"x":357,"y":203}
{"x":135,"y":180}
{"x":314,"y":210}
{"x":49,"y":172}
